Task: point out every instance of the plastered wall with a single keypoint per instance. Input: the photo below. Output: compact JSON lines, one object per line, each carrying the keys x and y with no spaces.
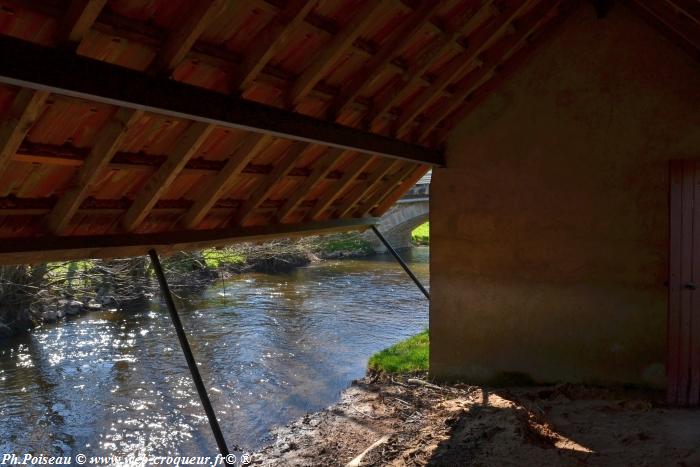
{"x":550,"y":224}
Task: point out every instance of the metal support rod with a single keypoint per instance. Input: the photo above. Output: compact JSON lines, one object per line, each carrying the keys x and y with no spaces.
{"x":185,"y":345}
{"x":401,"y":262}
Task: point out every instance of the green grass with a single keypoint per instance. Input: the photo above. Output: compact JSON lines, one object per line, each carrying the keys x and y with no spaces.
{"x":408,"y":356}
{"x":350,"y":242}
{"x":215,"y":258}
{"x":421,"y":234}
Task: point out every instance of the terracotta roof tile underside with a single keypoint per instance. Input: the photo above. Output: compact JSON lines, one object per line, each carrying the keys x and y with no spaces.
{"x":88,"y":177}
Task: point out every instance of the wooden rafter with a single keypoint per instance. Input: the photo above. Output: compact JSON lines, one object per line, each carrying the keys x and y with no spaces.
{"x":384,"y":190}
{"x":261,"y":193}
{"x":320,"y":171}
{"x":416,"y":71}
{"x":401,"y":37}
{"x":78,"y":20}
{"x":105,"y":147}
{"x":270,"y":40}
{"x":492,"y":59}
{"x":29,"y":250}
{"x":33,"y":66}
{"x":483,"y":37}
{"x":25,"y":109}
{"x":183,"y":38}
{"x":186,"y":146}
{"x":333,"y":51}
{"x":359,"y":164}
{"x":384,"y":166}
{"x":250,"y":147}
{"x":405,"y":185}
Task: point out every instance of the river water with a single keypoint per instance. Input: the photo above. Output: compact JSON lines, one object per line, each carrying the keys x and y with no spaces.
{"x":270,"y":349}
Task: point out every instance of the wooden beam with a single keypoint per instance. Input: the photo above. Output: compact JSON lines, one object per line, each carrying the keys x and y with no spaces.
{"x":271,"y":40}
{"x":481,"y":39}
{"x":28,"y":250}
{"x":397,"y":193}
{"x":28,"y":65}
{"x":330,"y":54}
{"x":183,"y":38}
{"x":416,"y":71}
{"x":105,"y":147}
{"x":78,"y":20}
{"x":322,"y":168}
{"x":261,"y":193}
{"x":250,"y":147}
{"x":25,"y":109}
{"x":385,"y":190}
{"x":493,"y":57}
{"x":359,"y":164}
{"x":400,"y":38}
{"x":375,"y":177}
{"x":188,"y":144}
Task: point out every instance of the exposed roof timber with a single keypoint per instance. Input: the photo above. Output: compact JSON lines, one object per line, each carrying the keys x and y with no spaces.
{"x":501,"y":50}
{"x":250,"y":147}
{"x":405,"y":185}
{"x":384,"y":189}
{"x":106,"y":144}
{"x":268,"y":41}
{"x":79,"y":19}
{"x":384,"y":167}
{"x":484,"y":37}
{"x":68,"y":156}
{"x":263,"y":190}
{"x":359,"y":164}
{"x":158,"y":183}
{"x":31,"y":66}
{"x":182,"y":39}
{"x":402,"y":36}
{"x":416,"y":71}
{"x":29,"y":250}
{"x":322,"y":168}
{"x":681,"y":27}
{"x":25,"y":109}
{"x":504,"y":69}
{"x":331,"y":52}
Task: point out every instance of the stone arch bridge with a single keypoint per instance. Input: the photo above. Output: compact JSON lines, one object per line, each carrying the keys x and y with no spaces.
{"x":408,"y":213}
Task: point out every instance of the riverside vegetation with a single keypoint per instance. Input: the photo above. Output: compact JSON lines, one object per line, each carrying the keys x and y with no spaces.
{"x":31,"y":295}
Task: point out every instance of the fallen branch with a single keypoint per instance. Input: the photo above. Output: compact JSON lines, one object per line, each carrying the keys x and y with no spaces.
{"x":358,"y":460}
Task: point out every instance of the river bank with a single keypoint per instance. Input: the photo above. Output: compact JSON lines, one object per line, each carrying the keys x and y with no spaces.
{"x":405,"y":421}
{"x":46,"y":293}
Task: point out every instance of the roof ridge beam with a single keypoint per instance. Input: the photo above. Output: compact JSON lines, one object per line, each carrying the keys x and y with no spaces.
{"x":37,"y":67}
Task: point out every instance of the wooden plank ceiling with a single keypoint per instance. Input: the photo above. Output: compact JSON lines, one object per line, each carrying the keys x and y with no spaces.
{"x":129,"y":121}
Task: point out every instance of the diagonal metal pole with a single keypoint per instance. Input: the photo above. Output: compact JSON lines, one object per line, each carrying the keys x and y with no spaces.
{"x":185,"y":345}
{"x":401,"y":261}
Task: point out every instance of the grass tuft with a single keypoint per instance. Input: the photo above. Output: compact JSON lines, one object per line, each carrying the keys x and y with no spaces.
{"x":421,"y":234}
{"x":408,"y":356}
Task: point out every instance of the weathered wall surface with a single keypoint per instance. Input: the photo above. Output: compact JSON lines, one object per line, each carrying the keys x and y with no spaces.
{"x":550,"y":224}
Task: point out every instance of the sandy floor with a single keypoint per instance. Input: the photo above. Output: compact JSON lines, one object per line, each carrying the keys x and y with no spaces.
{"x":407,"y":423}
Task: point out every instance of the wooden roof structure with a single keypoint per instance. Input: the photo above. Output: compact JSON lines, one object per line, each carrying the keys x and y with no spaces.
{"x":129,"y":124}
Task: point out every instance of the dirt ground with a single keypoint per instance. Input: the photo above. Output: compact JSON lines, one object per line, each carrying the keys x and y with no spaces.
{"x":408,"y":422}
